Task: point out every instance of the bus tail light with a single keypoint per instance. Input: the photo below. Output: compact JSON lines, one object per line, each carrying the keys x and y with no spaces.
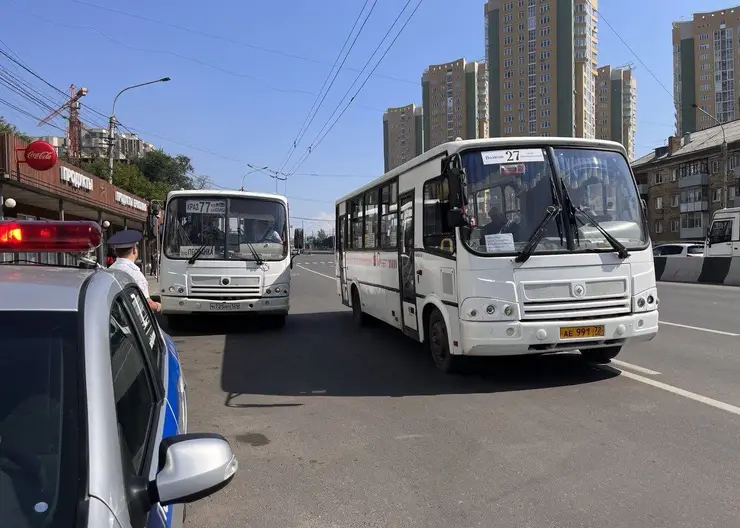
{"x":43,"y":236}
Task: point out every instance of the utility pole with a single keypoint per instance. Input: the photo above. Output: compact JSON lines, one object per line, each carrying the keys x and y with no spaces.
{"x":725,"y":160}
{"x":112,"y":122}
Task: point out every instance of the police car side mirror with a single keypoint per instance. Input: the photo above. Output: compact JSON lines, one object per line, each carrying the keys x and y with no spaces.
{"x":192,"y":466}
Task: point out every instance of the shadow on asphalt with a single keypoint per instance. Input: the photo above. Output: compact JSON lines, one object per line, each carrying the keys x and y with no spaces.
{"x":324,"y":354}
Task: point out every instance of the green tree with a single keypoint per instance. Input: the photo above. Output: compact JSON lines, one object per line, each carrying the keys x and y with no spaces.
{"x":159,"y":167}
{"x":321,"y":235}
{"x":7,"y":126}
{"x":129,"y":178}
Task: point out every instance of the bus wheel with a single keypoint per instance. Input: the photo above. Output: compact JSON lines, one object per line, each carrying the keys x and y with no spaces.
{"x":601,"y":355}
{"x":357,"y":315}
{"x":439,"y":345}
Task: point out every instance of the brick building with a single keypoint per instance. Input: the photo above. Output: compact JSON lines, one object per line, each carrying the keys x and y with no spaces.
{"x":63,"y":192}
{"x":684,"y":181}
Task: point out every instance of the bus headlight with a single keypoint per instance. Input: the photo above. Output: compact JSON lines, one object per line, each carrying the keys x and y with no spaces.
{"x":646,"y":301}
{"x":277,"y":290}
{"x":486,"y":309}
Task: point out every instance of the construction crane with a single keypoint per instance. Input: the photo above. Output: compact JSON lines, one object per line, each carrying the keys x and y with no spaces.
{"x":74,"y":127}
{"x":628,"y":66}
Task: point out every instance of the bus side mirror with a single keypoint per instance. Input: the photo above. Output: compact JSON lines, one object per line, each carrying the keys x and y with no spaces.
{"x":456,"y":218}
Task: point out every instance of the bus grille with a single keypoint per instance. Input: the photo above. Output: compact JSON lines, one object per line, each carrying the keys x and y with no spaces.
{"x":213,"y":287}
{"x":556,"y":300}
{"x":580,"y":309}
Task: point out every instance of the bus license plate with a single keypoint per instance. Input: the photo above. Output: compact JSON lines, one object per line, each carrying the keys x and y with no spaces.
{"x":225,"y":307}
{"x":578,"y":332}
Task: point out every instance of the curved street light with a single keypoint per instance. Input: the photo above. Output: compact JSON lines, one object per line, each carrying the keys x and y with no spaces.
{"x":112,"y":122}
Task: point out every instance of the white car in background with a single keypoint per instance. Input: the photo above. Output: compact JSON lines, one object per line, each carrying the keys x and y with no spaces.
{"x":679,"y":250}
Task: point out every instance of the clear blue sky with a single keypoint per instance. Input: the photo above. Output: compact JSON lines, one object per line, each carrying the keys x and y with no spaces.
{"x":240,"y":104}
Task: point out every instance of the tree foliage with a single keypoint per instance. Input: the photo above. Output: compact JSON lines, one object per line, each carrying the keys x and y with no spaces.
{"x":7,"y":126}
{"x":129,"y":178}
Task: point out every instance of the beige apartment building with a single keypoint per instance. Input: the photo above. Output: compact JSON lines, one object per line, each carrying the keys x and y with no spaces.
{"x":616,"y":106}
{"x":402,"y":135}
{"x":455,"y":102}
{"x":703,"y":70}
{"x":542,"y":58}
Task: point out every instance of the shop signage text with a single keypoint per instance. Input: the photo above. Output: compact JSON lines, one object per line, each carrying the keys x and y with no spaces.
{"x":125,"y":199}
{"x":75,"y":179}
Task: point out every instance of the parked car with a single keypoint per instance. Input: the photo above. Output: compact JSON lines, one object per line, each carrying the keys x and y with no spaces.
{"x":679,"y":250}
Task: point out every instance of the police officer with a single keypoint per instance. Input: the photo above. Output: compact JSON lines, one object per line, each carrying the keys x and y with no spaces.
{"x":126,"y":246}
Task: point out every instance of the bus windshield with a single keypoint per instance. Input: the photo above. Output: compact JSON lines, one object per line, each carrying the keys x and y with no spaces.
{"x":509,"y":192}
{"x":225,"y":227}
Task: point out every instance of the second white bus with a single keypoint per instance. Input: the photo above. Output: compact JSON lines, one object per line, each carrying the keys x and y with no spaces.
{"x":498,"y":247}
{"x":225,"y":252}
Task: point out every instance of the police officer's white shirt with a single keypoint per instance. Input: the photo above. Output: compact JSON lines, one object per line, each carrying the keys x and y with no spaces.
{"x":132,"y":269}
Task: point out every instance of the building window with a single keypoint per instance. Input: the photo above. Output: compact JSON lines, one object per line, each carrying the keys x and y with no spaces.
{"x":716,"y":195}
{"x":674,"y":200}
{"x":658,"y":227}
{"x":659,"y":203}
{"x":691,"y":220}
{"x":674,"y":226}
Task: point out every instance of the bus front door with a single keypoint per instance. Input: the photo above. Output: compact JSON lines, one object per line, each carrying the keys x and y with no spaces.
{"x":341,"y":243}
{"x":406,"y":266}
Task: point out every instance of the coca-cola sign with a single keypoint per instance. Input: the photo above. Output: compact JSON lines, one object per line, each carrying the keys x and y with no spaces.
{"x":40,"y":156}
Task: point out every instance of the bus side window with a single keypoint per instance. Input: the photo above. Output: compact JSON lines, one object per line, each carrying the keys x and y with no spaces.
{"x":437,"y":234}
{"x":388,"y":207}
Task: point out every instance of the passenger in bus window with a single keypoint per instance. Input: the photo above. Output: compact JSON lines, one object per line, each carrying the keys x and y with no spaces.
{"x":497,"y":223}
{"x":262,"y":231}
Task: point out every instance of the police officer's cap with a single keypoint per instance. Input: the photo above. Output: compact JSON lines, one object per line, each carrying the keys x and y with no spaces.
{"x":125,"y":239}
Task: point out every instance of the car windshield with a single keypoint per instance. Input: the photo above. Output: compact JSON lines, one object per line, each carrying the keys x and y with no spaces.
{"x":225,"y":228}
{"x":39,"y":419}
{"x":509,"y":192}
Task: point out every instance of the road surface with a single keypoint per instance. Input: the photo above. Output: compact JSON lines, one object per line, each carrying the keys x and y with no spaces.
{"x":340,"y":427}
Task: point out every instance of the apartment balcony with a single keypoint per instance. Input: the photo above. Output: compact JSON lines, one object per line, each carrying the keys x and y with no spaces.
{"x":736,"y":201}
{"x":693,"y":232}
{"x":693,"y":181}
{"x":690,"y":207}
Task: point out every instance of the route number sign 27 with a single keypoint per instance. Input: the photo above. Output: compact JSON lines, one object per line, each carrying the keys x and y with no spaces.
{"x":212,"y":207}
{"x":497,"y":157}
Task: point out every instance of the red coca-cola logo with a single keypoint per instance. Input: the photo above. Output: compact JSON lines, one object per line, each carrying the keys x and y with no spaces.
{"x":40,"y":156}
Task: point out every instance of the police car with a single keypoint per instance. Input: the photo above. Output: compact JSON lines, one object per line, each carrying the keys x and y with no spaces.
{"x":93,"y":413}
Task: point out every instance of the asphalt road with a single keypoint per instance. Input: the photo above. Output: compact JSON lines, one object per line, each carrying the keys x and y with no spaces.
{"x":340,"y":427}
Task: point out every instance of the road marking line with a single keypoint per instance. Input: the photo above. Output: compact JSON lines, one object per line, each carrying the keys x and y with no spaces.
{"x":316,"y":272}
{"x":636,"y":368}
{"x":731,"y":334}
{"x":675,"y":390}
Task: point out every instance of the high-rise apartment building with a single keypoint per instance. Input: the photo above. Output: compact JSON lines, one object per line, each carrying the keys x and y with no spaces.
{"x":703,"y":70}
{"x":542,"y":57}
{"x":455,"y":102}
{"x":402,"y":135}
{"x":616,"y":106}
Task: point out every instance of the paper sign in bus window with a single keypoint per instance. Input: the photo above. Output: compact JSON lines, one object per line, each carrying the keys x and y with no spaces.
{"x":212,"y":207}
{"x":497,"y":157}
{"x":500,"y":243}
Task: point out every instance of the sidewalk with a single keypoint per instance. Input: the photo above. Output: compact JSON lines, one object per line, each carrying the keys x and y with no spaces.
{"x":153,"y":285}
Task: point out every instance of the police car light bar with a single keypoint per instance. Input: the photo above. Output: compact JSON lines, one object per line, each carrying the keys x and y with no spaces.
{"x":43,"y":236}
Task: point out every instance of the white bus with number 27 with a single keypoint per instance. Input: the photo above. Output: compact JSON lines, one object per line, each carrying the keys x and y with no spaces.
{"x":225,"y":251}
{"x":496,"y":247}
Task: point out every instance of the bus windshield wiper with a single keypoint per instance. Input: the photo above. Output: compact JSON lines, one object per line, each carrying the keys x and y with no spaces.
{"x":255,"y":255}
{"x":198,"y":253}
{"x":616,"y":244}
{"x":526,"y":252}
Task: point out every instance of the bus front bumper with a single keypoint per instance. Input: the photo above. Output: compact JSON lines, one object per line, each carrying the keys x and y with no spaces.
{"x":267,"y":305}
{"x":511,"y":338}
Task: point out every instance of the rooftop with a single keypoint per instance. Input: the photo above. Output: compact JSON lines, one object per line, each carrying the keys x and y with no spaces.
{"x":698,"y":141}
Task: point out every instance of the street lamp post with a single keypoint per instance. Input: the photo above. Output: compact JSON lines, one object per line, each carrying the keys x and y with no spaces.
{"x":112,"y":122}
{"x":725,"y":161}
{"x":255,"y":169}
